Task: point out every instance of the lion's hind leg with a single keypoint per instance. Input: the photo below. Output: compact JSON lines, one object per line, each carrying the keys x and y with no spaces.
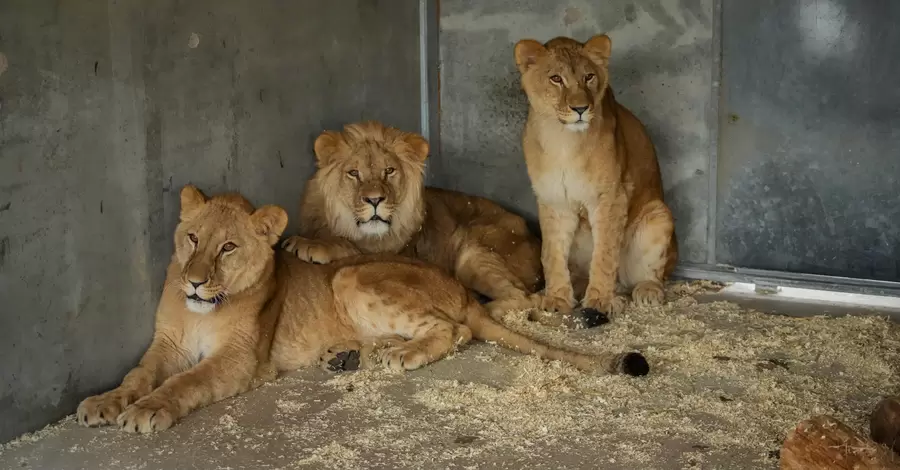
{"x":420,"y":304}
{"x":434,"y":340}
{"x":488,"y":273}
{"x":648,"y":254}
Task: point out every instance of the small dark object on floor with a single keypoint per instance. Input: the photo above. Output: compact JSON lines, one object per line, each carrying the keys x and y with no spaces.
{"x":721,"y":358}
{"x":344,"y":360}
{"x":774,"y":454}
{"x":464,"y":439}
{"x":770,"y":364}
{"x":592,"y":318}
{"x":635,"y":365}
{"x":725,"y":399}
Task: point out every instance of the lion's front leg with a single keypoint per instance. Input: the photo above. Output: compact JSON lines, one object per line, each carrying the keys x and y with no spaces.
{"x":558,"y":226}
{"x":223,"y":374}
{"x":320,"y":250}
{"x":486,"y":272}
{"x":162,"y":359}
{"x":607,"y":222}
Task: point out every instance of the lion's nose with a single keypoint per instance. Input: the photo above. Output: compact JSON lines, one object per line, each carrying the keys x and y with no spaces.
{"x":373,"y":200}
{"x":579,"y":109}
{"x":197,"y":284}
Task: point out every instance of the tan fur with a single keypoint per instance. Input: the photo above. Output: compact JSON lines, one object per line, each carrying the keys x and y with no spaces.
{"x":273,"y":312}
{"x":597,"y":181}
{"x":197,"y":358}
{"x":486,"y":247}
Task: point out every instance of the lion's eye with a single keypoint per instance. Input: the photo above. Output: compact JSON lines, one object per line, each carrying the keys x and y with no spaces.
{"x":353,"y":173}
{"x":389,"y":171}
{"x":588,"y":77}
{"x":556,"y":79}
{"x":228,"y":247}
{"x":192,"y":238}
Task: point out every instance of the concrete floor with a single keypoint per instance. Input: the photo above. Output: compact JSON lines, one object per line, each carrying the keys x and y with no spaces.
{"x":259,"y":431}
{"x":268,"y":429}
{"x":474,"y":409}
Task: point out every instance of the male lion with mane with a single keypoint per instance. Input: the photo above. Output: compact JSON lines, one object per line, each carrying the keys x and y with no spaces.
{"x":234,"y":312}
{"x":595,"y":173}
{"x":368,"y":196}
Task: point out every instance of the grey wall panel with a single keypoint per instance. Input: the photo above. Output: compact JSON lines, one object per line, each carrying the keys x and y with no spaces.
{"x":108,"y":108}
{"x":809,"y":172}
{"x":661,"y":69}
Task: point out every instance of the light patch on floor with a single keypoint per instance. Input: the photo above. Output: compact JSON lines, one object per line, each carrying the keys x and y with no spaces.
{"x":726,"y":386}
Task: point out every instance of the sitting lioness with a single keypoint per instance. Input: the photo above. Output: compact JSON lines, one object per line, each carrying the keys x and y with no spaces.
{"x":594,"y":171}
{"x":368,"y":196}
{"x":232,"y":310}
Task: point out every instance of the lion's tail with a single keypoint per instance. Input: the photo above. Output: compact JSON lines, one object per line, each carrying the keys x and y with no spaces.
{"x":486,"y":328}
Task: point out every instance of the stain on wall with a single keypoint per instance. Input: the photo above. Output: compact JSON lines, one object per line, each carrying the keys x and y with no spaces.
{"x":661,"y":69}
{"x":108,"y":108}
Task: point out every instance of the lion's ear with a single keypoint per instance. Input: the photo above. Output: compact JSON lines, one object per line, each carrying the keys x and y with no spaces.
{"x":192,"y":199}
{"x":419,"y":145}
{"x":599,"y":48}
{"x":527,"y":52}
{"x":270,"y":222}
{"x":326,"y":146}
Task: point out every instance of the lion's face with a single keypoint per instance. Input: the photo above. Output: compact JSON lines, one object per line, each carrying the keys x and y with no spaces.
{"x":564,"y":78}
{"x":372,"y":176}
{"x":223,"y":246}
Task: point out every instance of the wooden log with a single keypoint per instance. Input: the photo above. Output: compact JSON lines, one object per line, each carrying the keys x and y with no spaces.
{"x":824,"y":443}
{"x":884,"y":425}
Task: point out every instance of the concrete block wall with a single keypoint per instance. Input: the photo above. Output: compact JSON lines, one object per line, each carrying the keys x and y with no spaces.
{"x":107,"y":108}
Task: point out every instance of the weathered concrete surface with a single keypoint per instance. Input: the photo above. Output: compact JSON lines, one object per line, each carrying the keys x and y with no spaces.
{"x":722,"y":394}
{"x":107,"y":108}
{"x":661,"y":69}
{"x":809,"y":175}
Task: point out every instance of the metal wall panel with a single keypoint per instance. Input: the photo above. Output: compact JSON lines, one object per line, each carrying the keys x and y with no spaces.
{"x":809,"y":167}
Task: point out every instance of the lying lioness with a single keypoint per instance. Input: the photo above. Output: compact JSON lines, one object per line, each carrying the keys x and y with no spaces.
{"x":232,"y":310}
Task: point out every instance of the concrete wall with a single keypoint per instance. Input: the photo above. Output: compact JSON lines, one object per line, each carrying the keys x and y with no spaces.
{"x":107,"y":108}
{"x":661,"y":68}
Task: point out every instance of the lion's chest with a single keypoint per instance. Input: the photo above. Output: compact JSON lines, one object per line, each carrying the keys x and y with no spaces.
{"x":564,"y":179}
{"x":202,"y":339}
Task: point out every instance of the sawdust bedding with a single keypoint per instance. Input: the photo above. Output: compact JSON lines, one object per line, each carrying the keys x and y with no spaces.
{"x":726,"y":385}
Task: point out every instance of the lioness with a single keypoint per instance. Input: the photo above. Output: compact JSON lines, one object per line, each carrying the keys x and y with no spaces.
{"x":368,"y":196}
{"x":596,"y":177}
{"x":232,"y":310}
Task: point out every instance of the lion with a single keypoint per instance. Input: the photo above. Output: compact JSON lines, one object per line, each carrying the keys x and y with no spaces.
{"x":368,"y":196}
{"x":234,"y":313}
{"x":596,"y":177}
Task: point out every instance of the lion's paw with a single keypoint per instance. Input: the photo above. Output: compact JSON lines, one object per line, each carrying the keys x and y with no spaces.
{"x":100,"y":410}
{"x":648,"y":294}
{"x":308,"y":250}
{"x":402,"y":358}
{"x":611,"y":304}
{"x":147,"y":415}
{"x":556,"y":304}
